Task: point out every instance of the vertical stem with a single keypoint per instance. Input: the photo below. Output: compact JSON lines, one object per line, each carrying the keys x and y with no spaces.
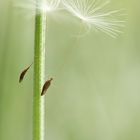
{"x":39,"y":72}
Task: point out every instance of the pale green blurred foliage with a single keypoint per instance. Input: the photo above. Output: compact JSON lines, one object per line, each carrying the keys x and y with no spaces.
{"x":95,"y":92}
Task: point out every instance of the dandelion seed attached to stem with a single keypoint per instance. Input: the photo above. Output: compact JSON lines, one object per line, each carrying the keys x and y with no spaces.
{"x":23,"y":73}
{"x":46,"y":86}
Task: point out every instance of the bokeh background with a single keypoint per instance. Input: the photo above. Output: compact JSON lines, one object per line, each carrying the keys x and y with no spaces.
{"x":95,"y":94}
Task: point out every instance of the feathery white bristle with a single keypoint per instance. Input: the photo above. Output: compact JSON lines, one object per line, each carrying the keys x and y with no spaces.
{"x":93,"y":13}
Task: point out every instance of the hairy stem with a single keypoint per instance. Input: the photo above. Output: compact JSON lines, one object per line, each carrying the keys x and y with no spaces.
{"x":39,"y":72}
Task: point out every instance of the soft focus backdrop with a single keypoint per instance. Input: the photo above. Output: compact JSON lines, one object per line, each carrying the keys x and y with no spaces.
{"x":95,"y":94}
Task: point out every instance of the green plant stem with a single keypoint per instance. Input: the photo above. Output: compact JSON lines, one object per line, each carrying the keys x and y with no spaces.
{"x":39,"y":74}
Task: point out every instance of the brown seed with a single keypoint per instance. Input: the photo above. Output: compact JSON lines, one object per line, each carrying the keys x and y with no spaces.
{"x":46,"y":86}
{"x":22,"y":75}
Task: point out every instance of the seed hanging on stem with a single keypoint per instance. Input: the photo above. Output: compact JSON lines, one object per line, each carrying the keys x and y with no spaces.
{"x":23,"y":73}
{"x":46,"y":86}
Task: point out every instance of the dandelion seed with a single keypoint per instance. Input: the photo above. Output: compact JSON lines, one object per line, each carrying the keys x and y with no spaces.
{"x":93,"y":14}
{"x":23,"y":73}
{"x":46,"y":86}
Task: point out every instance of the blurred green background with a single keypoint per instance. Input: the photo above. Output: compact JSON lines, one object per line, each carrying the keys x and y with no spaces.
{"x":95,"y":94}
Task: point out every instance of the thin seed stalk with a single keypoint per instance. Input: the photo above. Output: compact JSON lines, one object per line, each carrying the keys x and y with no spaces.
{"x":39,"y":74}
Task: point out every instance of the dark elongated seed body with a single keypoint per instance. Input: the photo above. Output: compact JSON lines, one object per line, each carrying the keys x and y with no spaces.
{"x":46,"y":86}
{"x":23,"y":73}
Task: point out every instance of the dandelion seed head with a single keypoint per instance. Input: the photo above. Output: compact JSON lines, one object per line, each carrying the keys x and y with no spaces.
{"x":49,"y":5}
{"x":94,"y":14}
{"x":45,"y":6}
